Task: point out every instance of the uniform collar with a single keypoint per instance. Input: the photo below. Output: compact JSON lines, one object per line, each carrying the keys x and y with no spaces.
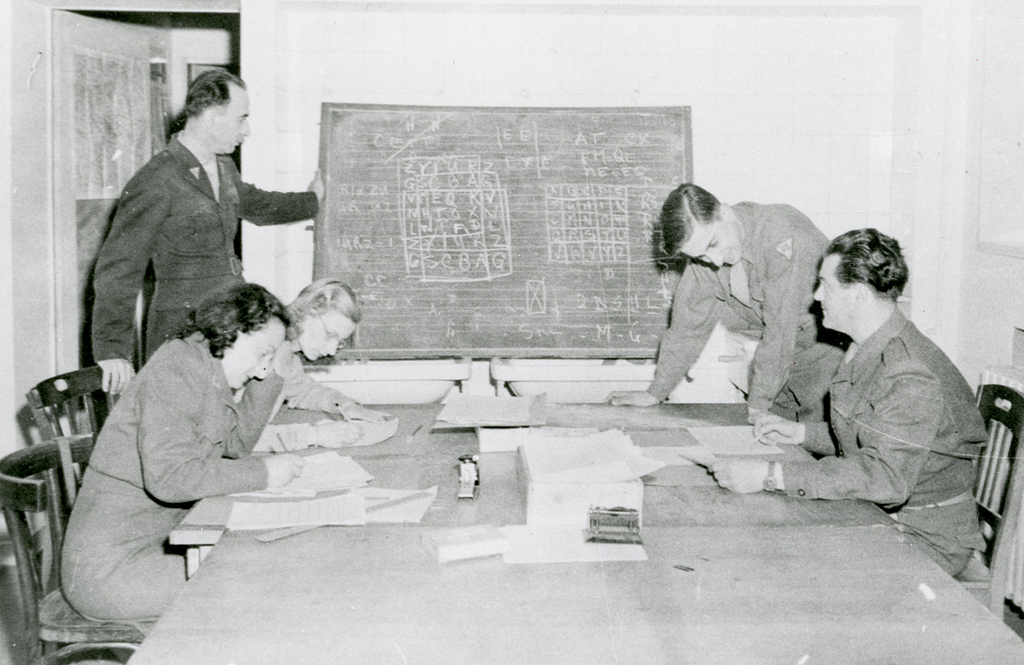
{"x":190,"y":163}
{"x":870,"y":352}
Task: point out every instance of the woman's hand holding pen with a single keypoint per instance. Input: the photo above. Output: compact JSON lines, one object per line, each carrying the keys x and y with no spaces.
{"x":282,"y":468}
{"x":772,"y":429}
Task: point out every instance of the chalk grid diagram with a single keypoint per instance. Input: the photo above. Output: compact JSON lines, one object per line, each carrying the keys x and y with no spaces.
{"x":455,"y":220}
{"x":587,"y":223}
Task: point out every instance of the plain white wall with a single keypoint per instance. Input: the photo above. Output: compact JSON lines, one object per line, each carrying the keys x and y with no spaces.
{"x":789,"y":104}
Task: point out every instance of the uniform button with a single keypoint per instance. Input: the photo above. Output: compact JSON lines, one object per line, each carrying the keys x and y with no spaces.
{"x":801,"y":493}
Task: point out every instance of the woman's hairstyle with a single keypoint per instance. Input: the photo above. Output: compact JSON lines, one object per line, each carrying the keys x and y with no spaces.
{"x":242,"y":308}
{"x":687,"y":205}
{"x":872,"y":258}
{"x":211,"y":88}
{"x":321,"y":297}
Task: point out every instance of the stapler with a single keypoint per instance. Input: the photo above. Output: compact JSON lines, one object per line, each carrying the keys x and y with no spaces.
{"x":613,"y":525}
{"x":469,"y":477}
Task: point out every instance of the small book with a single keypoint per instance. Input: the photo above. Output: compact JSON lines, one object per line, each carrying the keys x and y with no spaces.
{"x":466,"y":542}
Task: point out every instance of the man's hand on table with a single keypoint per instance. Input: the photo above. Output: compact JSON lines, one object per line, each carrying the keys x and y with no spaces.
{"x":743,"y":476}
{"x":282,"y":468}
{"x":632,"y":398}
{"x":772,"y":429}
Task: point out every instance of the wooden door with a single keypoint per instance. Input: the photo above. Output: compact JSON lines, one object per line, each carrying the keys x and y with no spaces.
{"x":109,"y":117}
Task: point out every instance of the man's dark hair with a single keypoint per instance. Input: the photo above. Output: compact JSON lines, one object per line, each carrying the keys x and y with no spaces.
{"x":869,"y":257}
{"x":209,"y":89}
{"x":242,"y":308}
{"x":687,"y":205}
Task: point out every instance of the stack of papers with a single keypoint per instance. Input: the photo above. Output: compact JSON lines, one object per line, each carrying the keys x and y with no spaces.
{"x":605,"y":457}
{"x":345,"y":510}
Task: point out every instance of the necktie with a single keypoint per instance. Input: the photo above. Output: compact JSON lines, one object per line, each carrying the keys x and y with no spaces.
{"x":739,"y":286}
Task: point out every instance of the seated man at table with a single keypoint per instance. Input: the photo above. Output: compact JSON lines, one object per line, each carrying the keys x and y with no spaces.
{"x":903,"y":428}
{"x":751,"y":267}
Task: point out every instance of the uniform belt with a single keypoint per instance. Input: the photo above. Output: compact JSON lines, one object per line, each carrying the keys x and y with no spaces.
{"x":959,"y":498}
{"x":198,"y":268}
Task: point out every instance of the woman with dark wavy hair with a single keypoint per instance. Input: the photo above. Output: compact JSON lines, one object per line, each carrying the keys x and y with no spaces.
{"x":182,"y":431}
{"x":903,"y":431}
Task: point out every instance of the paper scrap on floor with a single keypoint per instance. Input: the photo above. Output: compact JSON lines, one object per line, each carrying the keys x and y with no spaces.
{"x":471,"y":410}
{"x":562,"y":544}
{"x":323,"y":471}
{"x":605,"y":457}
{"x":344,"y":509}
{"x":389,"y":506}
{"x":726,"y":441}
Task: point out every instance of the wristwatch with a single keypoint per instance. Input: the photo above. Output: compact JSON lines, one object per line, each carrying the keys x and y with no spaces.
{"x":770,"y":484}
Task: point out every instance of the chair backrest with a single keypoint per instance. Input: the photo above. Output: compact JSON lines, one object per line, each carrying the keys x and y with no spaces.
{"x":998,"y":492}
{"x":72,"y":403}
{"x":36,"y":483}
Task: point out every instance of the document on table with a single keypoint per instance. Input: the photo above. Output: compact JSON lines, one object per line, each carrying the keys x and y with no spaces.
{"x":297,"y":436}
{"x":605,"y":457}
{"x":563,"y":544}
{"x":345,"y":509}
{"x":726,"y":441}
{"x":471,"y":410}
{"x":323,"y":471}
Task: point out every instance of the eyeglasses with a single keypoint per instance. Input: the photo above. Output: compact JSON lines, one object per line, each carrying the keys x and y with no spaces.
{"x":331,"y":335}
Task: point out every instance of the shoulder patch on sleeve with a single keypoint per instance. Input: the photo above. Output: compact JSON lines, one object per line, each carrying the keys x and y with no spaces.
{"x":785,"y":248}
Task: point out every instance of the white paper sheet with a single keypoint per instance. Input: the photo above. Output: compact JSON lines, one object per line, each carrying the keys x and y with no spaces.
{"x":345,"y":509}
{"x":274,"y":436}
{"x":323,"y":471}
{"x":471,"y":410}
{"x":725,"y":441}
{"x":562,"y":544}
{"x":606,"y":457}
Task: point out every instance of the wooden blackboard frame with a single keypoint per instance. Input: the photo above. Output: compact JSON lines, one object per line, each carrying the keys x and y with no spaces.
{"x":348,"y":124}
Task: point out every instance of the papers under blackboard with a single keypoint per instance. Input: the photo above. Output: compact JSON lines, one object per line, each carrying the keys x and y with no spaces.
{"x":483,"y":410}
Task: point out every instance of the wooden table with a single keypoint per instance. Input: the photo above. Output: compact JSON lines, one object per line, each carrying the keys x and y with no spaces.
{"x":773,"y":580}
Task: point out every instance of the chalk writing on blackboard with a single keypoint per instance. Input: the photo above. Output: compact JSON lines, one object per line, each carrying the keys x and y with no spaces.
{"x":528,"y":232}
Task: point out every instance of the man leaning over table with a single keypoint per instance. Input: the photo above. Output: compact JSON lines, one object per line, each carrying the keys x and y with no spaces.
{"x":181,"y":212}
{"x":751,"y":267}
{"x":903,"y":429}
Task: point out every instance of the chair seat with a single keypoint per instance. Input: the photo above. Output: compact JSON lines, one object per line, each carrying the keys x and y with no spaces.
{"x":59,"y":622}
{"x":976,"y":574}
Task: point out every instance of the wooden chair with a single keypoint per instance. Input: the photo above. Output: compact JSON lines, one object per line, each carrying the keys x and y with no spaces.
{"x":39,"y":484}
{"x":72,"y":403}
{"x":998,"y":494}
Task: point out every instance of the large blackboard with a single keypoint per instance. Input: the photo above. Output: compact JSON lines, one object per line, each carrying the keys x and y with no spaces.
{"x":519,"y":232}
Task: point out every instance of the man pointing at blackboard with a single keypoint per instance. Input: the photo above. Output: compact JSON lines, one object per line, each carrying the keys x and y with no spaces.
{"x":751,"y":267}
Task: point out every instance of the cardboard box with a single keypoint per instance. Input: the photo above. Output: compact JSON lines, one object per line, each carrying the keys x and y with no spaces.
{"x":566,"y":497}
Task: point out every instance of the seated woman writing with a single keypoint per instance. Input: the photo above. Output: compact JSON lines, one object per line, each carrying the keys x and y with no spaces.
{"x":323,"y":317}
{"x":182,"y":431}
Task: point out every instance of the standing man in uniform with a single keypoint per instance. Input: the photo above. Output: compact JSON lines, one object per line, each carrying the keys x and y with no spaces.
{"x":751,"y":267}
{"x":181,"y":211}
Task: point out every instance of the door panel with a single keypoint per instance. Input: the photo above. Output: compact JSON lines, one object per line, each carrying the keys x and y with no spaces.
{"x":110,"y":108}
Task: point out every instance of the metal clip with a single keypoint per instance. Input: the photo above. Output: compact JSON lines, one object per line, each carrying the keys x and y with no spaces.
{"x":469,"y":477}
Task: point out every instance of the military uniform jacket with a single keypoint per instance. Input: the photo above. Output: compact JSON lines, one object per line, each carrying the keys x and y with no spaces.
{"x":168,"y":215}
{"x":903,"y":430}
{"x":780,"y":253}
{"x":177,"y":432}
